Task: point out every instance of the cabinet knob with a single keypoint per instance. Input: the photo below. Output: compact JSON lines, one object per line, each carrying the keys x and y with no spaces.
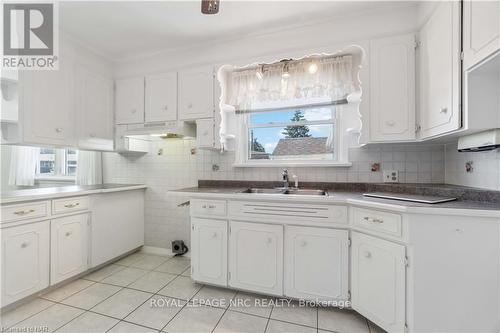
{"x":92,"y":135}
{"x":390,"y":123}
{"x":303,"y":244}
{"x":67,"y":234}
{"x":367,"y":254}
{"x":205,"y":133}
{"x":214,"y":235}
{"x":443,"y":110}
{"x":190,"y":105}
{"x":133,"y":111}
{"x":166,"y":107}
{"x":269,"y":240}
{"x":59,"y":129}
{"x":24,"y":245}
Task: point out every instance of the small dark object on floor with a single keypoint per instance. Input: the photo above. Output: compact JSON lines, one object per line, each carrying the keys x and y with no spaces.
{"x":179,"y":248}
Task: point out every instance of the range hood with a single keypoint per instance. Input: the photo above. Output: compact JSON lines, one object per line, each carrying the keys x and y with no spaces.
{"x":483,"y":141}
{"x":168,"y":129}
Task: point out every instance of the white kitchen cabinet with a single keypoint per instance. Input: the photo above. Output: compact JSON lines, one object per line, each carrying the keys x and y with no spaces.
{"x":316,"y":263}
{"x":256,"y":257}
{"x":68,"y":246}
{"x":378,"y":276}
{"x":25,"y":260}
{"x":209,"y":251}
{"x":161,"y":97}
{"x":196,"y":93}
{"x":94,"y":98}
{"x":129,"y":101}
{"x":205,"y":133}
{"x":440,"y":71}
{"x":392,"y":83}
{"x":481,"y":30}
{"x":47,"y":104}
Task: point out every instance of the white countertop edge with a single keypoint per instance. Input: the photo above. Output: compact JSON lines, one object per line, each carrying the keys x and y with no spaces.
{"x":48,"y":196}
{"x":344,"y":199}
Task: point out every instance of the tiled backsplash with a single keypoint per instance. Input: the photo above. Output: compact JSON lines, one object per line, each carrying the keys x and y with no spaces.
{"x":485,"y":171}
{"x":176,"y":168}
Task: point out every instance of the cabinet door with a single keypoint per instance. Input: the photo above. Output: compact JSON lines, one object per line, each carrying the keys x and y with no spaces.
{"x":161,"y":97}
{"x":209,"y":251}
{"x":95,"y":109}
{"x":205,"y":133}
{"x":481,"y":30}
{"x":256,"y":257}
{"x":316,"y":263}
{"x":196,"y":93}
{"x":69,"y":247}
{"x":47,"y":106}
{"x":392,"y":96}
{"x":378,"y":281}
{"x":440,"y":71}
{"x":25,"y":260}
{"x":129,"y":101}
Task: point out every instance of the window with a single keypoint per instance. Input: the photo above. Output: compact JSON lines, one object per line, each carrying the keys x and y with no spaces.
{"x":57,"y":163}
{"x":306,"y":134}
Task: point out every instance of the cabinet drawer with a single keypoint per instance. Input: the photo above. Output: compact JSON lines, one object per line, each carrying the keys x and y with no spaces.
{"x":66,"y":205}
{"x":208,"y":207}
{"x":11,"y":213}
{"x":379,"y":221}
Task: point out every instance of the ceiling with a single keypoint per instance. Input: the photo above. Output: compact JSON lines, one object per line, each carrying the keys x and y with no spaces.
{"x":122,"y":29}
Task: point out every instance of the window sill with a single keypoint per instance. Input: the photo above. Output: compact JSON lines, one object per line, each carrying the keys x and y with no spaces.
{"x":68,"y":179}
{"x":293,"y":164}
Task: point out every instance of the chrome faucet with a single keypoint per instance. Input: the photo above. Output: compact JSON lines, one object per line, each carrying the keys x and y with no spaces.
{"x":284,"y":174}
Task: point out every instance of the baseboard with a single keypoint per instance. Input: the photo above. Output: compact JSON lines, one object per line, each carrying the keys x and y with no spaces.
{"x":160,"y":251}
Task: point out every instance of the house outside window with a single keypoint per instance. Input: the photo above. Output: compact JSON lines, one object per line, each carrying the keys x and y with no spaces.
{"x":57,"y":163}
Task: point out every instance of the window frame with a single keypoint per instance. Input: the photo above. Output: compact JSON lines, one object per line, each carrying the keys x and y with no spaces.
{"x":64,"y":176}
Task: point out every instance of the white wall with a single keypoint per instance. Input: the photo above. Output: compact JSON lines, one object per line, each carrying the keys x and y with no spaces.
{"x":485,"y":173}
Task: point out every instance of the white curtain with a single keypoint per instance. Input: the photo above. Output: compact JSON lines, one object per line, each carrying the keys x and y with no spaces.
{"x":23,"y":164}
{"x":89,"y":168}
{"x":267,"y":87}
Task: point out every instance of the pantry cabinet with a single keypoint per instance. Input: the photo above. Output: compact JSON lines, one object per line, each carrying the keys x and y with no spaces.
{"x":440,"y":71}
{"x":209,"y":248}
{"x":129,"y":100}
{"x":392,"y":89}
{"x":68,"y":246}
{"x":316,"y":263}
{"x":196,"y":93}
{"x":481,"y":33}
{"x":378,"y":280}
{"x":25,"y":260}
{"x":256,"y":257}
{"x":161,"y":97}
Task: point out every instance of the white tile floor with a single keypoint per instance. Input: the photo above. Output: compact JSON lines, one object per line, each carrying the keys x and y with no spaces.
{"x":121,"y":297}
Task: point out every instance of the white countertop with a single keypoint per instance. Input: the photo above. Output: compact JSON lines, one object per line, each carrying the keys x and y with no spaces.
{"x":44,"y":193}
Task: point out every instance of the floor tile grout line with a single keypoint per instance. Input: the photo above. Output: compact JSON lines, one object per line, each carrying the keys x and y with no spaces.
{"x":269,"y":319}
{"x":224,"y":313}
{"x":20,"y":321}
{"x":48,"y":299}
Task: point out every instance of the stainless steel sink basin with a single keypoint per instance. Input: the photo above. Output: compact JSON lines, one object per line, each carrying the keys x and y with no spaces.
{"x":283,"y":191}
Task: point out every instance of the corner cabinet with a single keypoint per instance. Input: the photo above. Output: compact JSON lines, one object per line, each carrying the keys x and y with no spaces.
{"x":161,"y":97}
{"x":440,"y":71}
{"x":378,"y":280}
{"x":196,"y":93}
{"x":256,"y":257}
{"x":481,"y":34}
{"x":24,"y":260}
{"x":209,"y":248}
{"x":129,"y":101}
{"x":392,"y":83}
{"x":316,"y":263}
{"x":69,"y":247}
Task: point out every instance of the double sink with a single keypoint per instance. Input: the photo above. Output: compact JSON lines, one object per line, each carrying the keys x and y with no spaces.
{"x":285,"y":191}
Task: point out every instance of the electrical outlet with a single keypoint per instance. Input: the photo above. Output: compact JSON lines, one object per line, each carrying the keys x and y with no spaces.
{"x":391,"y":176}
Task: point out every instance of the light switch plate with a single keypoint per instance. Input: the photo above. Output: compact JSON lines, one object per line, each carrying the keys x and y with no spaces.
{"x":391,"y":176}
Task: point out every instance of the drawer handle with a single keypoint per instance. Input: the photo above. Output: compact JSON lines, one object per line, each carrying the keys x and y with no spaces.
{"x":24,"y":245}
{"x":367,"y":254}
{"x":59,"y":130}
{"x":443,"y":110}
{"x":373,"y":220}
{"x":67,"y":234}
{"x":72,"y":205}
{"x":24,"y":212}
{"x":208,"y":206}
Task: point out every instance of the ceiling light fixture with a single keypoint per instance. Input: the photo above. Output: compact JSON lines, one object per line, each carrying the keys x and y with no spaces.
{"x":209,"y":6}
{"x":313,"y":68}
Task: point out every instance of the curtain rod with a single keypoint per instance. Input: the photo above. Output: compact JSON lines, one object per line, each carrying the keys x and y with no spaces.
{"x":307,"y":106}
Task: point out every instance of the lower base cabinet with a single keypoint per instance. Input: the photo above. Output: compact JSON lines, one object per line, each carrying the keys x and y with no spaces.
{"x":25,"y":260}
{"x":378,"y":279}
{"x":316,"y":263}
{"x":256,"y":257}
{"x":209,"y":251}
{"x":69,"y":246}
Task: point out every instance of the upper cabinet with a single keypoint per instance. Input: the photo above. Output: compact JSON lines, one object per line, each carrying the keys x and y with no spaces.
{"x":196,"y":93}
{"x":440,"y":71}
{"x":161,"y":97}
{"x":129,"y":100}
{"x":94,"y":109}
{"x":392,"y":93}
{"x":481,"y":34}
